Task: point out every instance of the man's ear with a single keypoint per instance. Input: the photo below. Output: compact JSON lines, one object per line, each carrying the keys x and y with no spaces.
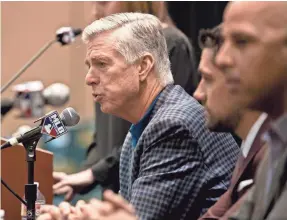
{"x":145,"y":65}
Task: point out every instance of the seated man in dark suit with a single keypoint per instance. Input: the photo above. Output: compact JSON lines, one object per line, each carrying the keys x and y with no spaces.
{"x":223,"y":114}
{"x":253,"y":58}
{"x":171,"y":166}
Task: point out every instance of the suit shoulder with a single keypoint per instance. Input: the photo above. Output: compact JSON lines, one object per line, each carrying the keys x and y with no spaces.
{"x":180,"y":108}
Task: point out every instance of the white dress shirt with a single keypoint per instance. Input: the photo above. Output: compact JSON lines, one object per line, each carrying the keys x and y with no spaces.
{"x":247,"y":143}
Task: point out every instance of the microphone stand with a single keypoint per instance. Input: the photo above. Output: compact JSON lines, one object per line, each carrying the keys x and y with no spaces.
{"x":30,"y":62}
{"x":31,"y":188}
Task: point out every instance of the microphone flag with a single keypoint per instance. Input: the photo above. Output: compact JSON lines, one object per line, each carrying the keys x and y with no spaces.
{"x":53,"y":125}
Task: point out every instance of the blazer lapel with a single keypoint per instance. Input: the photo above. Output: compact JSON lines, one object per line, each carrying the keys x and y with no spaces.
{"x":257,"y":144}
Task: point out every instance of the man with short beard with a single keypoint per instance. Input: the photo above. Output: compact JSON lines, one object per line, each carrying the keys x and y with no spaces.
{"x":222,"y":114}
{"x":253,"y":58}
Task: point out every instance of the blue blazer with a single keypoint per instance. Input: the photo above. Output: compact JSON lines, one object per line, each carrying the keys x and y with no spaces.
{"x":177,"y":169}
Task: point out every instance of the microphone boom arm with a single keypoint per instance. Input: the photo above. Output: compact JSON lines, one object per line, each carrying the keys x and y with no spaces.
{"x":33,"y":59}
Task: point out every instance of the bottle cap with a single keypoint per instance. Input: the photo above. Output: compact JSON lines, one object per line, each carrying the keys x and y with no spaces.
{"x":37,"y":183}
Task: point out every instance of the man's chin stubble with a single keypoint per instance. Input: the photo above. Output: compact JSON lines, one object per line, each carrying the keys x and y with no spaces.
{"x":218,"y":127}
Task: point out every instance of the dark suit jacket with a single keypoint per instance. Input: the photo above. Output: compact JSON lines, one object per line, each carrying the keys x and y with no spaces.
{"x":245,"y":169}
{"x":178,"y":168}
{"x":271,"y":206}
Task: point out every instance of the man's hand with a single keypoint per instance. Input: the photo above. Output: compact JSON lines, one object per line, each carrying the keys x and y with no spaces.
{"x":119,"y":215}
{"x":71,"y":184}
{"x":51,"y":212}
{"x":113,"y":208}
{"x":117,"y":202}
{"x":58,"y":176}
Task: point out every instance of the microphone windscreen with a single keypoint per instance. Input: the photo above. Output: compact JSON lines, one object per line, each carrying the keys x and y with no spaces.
{"x":6,"y":106}
{"x":77,"y":31}
{"x":66,"y":35}
{"x":70,"y":117}
{"x":56,"y":94}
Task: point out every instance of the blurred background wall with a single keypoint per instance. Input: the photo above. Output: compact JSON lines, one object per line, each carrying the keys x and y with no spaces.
{"x":26,"y":27}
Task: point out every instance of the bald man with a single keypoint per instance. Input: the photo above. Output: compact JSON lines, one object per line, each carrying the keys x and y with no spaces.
{"x":222,"y":114}
{"x":253,"y":57}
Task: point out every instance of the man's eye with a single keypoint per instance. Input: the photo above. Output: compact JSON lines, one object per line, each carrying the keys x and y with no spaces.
{"x":241,"y":42}
{"x":207,"y":79}
{"x":101,"y":64}
{"x":219,"y":43}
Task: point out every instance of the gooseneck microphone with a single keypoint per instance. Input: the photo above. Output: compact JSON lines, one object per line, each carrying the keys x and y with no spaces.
{"x":52,"y":124}
{"x":64,"y":36}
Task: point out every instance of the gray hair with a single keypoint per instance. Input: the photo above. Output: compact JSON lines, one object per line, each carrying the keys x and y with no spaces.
{"x":137,"y":33}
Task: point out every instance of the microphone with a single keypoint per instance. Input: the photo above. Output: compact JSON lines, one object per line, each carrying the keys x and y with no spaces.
{"x":52,"y":124}
{"x":64,"y":35}
{"x":67,"y":35}
{"x":29,"y":98}
{"x":56,"y":94}
{"x":6,"y":106}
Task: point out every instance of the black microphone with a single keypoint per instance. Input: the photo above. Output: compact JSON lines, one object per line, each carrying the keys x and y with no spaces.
{"x":52,"y":124}
{"x":67,"y":35}
{"x":6,"y":106}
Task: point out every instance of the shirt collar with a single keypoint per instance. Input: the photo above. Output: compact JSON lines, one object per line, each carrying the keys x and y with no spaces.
{"x":247,"y":143}
{"x":138,"y":128}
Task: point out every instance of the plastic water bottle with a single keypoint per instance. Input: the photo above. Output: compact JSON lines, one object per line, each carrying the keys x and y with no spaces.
{"x":2,"y":214}
{"x":40,"y":200}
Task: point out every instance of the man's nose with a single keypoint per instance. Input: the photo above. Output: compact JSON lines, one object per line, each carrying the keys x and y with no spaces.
{"x":223,"y":59}
{"x":199,"y":93}
{"x":91,"y":78}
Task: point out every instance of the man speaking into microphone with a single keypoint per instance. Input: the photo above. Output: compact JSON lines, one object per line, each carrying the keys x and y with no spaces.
{"x":171,"y":166}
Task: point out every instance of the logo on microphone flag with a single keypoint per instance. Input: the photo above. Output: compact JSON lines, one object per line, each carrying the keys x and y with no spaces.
{"x":53,"y":125}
